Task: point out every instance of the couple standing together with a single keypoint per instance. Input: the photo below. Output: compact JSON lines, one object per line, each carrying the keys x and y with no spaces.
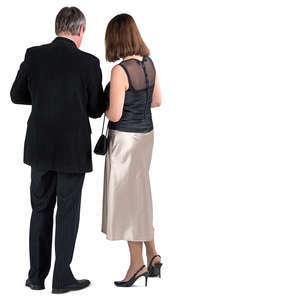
{"x":64,"y":87}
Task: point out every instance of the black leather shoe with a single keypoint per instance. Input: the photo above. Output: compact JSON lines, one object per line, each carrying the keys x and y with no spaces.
{"x":33,"y":286}
{"x":133,"y":279}
{"x":154,"y":270}
{"x":78,"y":285}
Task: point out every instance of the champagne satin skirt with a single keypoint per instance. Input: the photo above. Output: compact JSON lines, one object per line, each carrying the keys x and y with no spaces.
{"x":127,"y":202}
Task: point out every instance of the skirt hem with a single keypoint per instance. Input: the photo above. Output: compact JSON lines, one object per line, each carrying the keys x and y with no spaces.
{"x":125,"y":239}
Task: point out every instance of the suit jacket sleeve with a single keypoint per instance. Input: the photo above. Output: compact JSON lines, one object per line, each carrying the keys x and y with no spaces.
{"x":19,"y":92}
{"x":106,"y":95}
{"x":96,"y":104}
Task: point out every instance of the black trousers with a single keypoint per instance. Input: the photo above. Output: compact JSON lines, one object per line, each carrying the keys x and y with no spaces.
{"x":47,"y":188}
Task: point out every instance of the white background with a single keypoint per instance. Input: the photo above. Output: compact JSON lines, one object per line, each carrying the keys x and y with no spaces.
{"x":225,"y":170}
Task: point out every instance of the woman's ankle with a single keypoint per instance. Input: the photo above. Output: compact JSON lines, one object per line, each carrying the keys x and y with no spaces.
{"x":151,"y":253}
{"x":136,"y":264}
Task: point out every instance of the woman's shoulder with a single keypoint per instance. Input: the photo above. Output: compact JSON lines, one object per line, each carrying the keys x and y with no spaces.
{"x":117,"y":70}
{"x":150,"y":61}
{"x":118,"y":74}
{"x":148,"y":57}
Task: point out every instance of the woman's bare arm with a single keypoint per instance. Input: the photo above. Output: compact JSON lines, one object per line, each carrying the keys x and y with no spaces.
{"x":156,"y":97}
{"x":118,"y":86}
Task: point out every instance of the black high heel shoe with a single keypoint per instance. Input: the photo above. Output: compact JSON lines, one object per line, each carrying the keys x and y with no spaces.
{"x":154,"y":271}
{"x":133,"y":279}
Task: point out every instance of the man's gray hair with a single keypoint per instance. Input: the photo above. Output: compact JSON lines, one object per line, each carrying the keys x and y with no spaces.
{"x":69,"y":20}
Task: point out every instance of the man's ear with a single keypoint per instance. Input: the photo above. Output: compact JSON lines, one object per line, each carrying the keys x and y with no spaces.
{"x":81,"y":30}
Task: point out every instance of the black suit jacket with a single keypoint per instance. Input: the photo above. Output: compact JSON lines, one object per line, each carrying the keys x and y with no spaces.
{"x":64,"y":86}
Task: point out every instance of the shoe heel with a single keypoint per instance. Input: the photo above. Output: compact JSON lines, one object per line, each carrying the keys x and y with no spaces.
{"x":146,"y":280}
{"x":154,"y":270}
{"x":157,"y":270}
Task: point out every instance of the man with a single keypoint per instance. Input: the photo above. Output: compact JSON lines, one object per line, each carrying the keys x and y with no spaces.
{"x":64,"y":87}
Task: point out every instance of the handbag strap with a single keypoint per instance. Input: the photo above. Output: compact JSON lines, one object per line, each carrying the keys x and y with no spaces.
{"x":103,"y":127}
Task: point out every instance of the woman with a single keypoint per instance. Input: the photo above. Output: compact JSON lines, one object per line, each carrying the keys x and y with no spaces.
{"x":127,"y":203}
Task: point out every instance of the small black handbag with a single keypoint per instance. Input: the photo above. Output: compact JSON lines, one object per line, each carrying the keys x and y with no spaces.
{"x":102,"y":144}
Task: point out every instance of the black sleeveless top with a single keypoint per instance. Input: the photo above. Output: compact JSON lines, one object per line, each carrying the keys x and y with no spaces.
{"x":136,"y":116}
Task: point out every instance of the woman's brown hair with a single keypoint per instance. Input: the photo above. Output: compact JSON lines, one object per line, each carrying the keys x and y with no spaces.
{"x":122,"y":38}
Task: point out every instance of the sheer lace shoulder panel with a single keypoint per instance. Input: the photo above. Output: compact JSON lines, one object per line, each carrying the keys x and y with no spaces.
{"x":137,"y":74}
